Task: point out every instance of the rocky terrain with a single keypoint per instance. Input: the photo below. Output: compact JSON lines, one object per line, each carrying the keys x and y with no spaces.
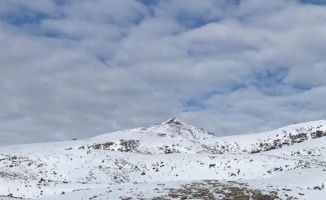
{"x":171,"y":160}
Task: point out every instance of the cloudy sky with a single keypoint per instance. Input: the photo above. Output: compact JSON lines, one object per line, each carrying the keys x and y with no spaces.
{"x":76,"y":69}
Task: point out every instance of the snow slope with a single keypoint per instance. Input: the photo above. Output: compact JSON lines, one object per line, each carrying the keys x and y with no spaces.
{"x":171,"y":160}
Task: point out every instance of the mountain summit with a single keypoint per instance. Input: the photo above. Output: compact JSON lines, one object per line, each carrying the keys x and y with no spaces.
{"x":171,"y":136}
{"x":174,"y":121}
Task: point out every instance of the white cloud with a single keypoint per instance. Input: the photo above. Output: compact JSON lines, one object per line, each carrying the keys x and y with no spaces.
{"x":81,"y":69}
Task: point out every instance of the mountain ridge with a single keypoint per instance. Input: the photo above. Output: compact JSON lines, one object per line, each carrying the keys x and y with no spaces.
{"x":210,"y":143}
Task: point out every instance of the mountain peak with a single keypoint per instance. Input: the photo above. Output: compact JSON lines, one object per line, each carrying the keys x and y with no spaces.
{"x":174,"y":121}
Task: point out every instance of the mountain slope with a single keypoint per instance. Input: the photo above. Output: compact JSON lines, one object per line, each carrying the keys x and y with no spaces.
{"x":171,"y":159}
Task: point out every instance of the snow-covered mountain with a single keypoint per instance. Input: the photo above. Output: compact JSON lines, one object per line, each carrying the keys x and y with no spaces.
{"x":171,"y":160}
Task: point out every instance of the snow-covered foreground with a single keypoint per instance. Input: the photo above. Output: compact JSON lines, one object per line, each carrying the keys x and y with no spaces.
{"x":171,"y":160}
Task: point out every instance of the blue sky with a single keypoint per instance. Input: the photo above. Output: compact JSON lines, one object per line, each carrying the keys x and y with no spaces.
{"x":316,"y":2}
{"x":75,"y":69}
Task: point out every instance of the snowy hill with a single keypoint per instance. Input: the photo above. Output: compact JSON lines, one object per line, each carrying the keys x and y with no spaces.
{"x":171,"y":160}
